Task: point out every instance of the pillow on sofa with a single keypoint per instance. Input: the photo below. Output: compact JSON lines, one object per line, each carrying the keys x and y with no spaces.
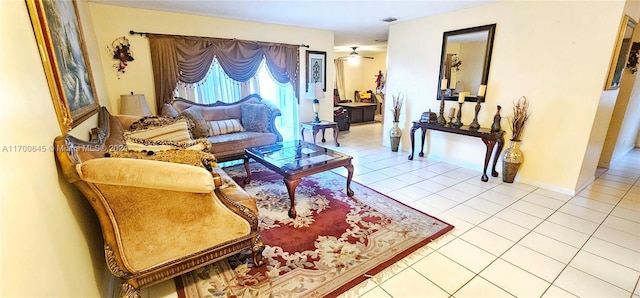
{"x":160,"y":128}
{"x":222,"y":127}
{"x":200,"y":127}
{"x":255,"y":117}
{"x":135,"y":144}
{"x":189,"y":157}
{"x":169,"y":110}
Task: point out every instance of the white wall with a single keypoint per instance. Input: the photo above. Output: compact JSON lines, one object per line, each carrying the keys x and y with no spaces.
{"x":534,"y":43}
{"x":51,"y":241}
{"x":111,"y":22}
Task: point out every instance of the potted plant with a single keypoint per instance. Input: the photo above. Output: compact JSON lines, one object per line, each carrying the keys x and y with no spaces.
{"x":512,"y":158}
{"x":395,"y":132}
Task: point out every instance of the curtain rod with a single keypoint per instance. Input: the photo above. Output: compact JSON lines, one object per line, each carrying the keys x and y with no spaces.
{"x":145,"y":33}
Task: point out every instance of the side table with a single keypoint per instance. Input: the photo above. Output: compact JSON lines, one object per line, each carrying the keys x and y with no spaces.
{"x":322,"y":125}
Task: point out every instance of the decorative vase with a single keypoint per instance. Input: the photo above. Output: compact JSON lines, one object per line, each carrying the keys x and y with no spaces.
{"x":512,"y":158}
{"x":394,"y":135}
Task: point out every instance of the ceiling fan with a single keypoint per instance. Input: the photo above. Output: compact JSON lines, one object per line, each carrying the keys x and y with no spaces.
{"x":354,"y":55}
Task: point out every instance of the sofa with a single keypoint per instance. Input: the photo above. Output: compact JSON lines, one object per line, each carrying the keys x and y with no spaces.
{"x":230,"y":128}
{"x":159,"y":217}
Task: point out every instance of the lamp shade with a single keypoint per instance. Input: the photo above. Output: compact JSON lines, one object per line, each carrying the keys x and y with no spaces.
{"x":315,"y":91}
{"x":134,"y":104}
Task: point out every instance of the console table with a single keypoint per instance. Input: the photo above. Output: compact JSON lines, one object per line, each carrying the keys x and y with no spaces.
{"x":489,"y":138}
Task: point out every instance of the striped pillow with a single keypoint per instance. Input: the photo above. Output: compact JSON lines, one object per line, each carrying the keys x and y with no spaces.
{"x":177,"y":131}
{"x":222,"y":127}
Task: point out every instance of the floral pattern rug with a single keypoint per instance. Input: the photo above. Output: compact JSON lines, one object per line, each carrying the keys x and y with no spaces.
{"x":334,"y":243}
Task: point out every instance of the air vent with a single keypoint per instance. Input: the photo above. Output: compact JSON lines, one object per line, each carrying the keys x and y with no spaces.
{"x":389,"y":19}
{"x":381,"y":40}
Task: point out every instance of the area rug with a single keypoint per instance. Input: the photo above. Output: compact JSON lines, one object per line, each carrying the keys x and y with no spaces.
{"x":335,"y":242}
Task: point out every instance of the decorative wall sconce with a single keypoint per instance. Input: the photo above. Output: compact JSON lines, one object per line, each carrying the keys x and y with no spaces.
{"x":121,"y":51}
{"x":632,"y":64}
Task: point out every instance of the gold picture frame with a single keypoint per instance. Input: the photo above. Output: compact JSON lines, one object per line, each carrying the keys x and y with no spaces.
{"x":57,"y":29}
{"x":619,"y":59}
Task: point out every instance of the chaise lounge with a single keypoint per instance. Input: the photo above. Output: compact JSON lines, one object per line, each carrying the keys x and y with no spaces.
{"x":159,"y":219}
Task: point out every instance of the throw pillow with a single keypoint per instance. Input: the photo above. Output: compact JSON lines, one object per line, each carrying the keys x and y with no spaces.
{"x":225,"y":126}
{"x":160,"y":128}
{"x":188,"y":157}
{"x":200,"y":127}
{"x":134,"y":144}
{"x":255,"y":117}
{"x":169,"y":110}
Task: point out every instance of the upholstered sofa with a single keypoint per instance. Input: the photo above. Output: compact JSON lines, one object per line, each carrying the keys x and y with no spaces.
{"x":232,"y":127}
{"x":159,"y":219}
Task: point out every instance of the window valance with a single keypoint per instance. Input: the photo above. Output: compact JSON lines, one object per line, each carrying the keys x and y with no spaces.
{"x":188,"y":59}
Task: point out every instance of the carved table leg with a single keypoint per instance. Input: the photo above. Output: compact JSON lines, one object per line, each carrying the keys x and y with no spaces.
{"x":291,"y":188}
{"x":349,"y":176}
{"x":323,"y":139}
{"x":424,"y":131}
{"x":336,"y":131}
{"x":487,"y":156}
{"x":494,"y":173}
{"x":246,"y":168}
{"x":413,"y":142}
{"x":315,"y":133}
{"x":302,"y":133}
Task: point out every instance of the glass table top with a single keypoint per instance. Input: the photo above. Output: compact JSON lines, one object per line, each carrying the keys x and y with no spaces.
{"x":296,"y":155}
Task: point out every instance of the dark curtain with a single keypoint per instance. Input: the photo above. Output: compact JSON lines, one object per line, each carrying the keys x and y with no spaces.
{"x":188,"y":59}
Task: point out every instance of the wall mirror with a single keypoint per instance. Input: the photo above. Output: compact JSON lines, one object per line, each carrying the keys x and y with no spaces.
{"x":619,"y":59}
{"x":464,"y":62}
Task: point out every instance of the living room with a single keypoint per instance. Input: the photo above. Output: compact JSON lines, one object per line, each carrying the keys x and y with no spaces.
{"x":48,"y":223}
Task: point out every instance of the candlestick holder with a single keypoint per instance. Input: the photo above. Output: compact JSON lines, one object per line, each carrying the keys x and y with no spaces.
{"x":474,"y":124}
{"x":441,"y":120}
{"x":459,"y":117}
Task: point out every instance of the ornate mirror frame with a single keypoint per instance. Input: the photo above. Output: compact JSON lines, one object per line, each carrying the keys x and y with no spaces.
{"x":490,"y":32}
{"x":619,"y":59}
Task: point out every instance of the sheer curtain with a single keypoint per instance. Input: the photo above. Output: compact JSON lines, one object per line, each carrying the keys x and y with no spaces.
{"x":339,"y":67}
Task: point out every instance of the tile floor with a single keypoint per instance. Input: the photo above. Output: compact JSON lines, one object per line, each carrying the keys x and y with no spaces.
{"x":510,"y":239}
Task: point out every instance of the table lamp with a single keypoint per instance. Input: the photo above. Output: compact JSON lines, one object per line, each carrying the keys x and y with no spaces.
{"x":315,"y":92}
{"x":134,"y":104}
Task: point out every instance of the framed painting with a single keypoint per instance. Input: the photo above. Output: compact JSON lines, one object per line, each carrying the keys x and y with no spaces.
{"x":619,"y":59}
{"x":64,"y":57}
{"x":317,"y":68}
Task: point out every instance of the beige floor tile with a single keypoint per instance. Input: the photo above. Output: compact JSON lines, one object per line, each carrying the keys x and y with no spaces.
{"x":483,"y":205}
{"x":550,"y":247}
{"x":618,"y":237}
{"x":562,"y":233}
{"x":504,"y":228}
{"x":410,"y":283}
{"x":555,"y":292}
{"x":376,"y":292}
{"x":534,"y":262}
{"x":519,"y":218}
{"x":573,"y":222}
{"x":584,"y":285}
{"x":623,"y":256}
{"x":479,"y":287}
{"x":488,"y":241}
{"x":532,"y":209}
{"x":442,"y":271}
{"x":514,"y":280}
{"x":606,"y":270}
{"x":467,"y":255}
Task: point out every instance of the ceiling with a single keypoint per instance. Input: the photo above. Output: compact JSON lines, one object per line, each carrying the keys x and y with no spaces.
{"x":354,"y":23}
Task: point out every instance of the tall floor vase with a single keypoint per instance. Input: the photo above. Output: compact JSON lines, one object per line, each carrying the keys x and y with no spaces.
{"x":394,"y":135}
{"x":512,"y":158}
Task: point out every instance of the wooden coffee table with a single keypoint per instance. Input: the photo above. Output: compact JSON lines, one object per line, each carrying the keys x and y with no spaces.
{"x":296,"y":159}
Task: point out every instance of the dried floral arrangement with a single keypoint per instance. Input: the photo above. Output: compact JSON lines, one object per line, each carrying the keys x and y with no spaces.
{"x":520,"y":116}
{"x":397,"y":107}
